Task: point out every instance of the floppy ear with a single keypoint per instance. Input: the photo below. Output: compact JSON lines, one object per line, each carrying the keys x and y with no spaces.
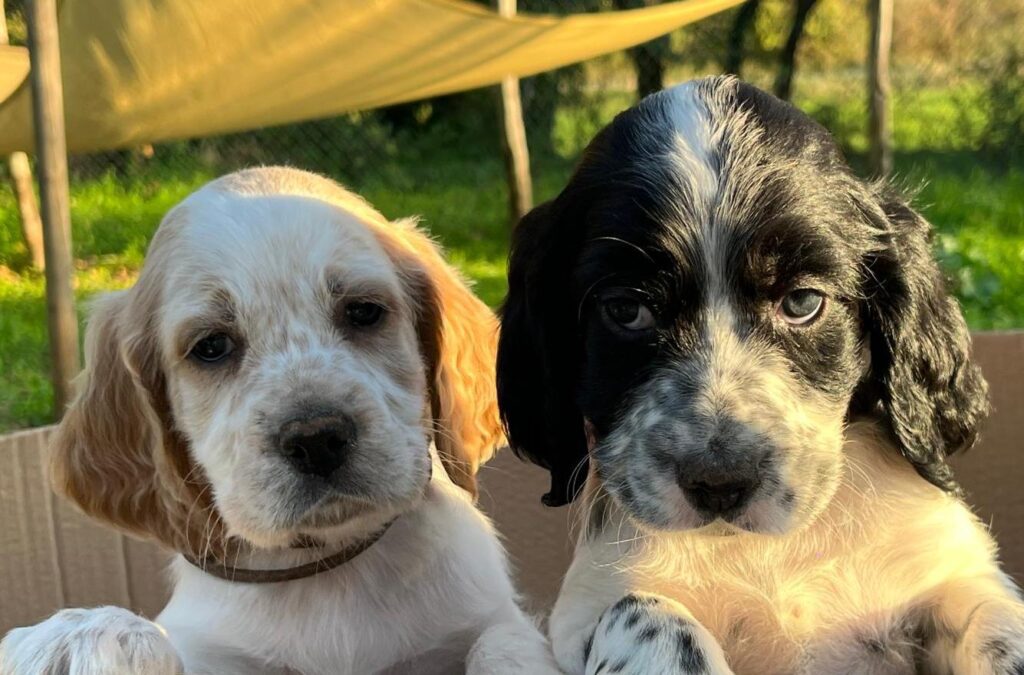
{"x":933,"y":395}
{"x":458,"y":337}
{"x":537,"y":354}
{"x":115,"y":453}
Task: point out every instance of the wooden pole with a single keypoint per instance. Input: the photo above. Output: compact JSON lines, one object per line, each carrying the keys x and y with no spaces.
{"x":51,"y":152}
{"x":20,"y":172}
{"x":514,"y":146}
{"x":879,"y":132}
{"x":21,"y":182}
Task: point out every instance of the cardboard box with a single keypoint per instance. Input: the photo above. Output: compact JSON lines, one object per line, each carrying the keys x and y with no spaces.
{"x":52,"y":557}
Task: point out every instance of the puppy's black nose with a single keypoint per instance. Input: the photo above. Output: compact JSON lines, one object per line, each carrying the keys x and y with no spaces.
{"x":719,"y":497}
{"x":318,"y":446}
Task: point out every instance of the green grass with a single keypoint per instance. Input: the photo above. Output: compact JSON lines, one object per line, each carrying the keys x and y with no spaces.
{"x":458,"y":190}
{"x":978,"y":214}
{"x":25,"y":392}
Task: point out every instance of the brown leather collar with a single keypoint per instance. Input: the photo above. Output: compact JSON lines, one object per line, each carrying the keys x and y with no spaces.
{"x":250,"y":576}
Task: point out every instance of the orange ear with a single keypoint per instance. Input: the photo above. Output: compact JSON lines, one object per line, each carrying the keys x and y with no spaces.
{"x":459,"y":337}
{"x":115,"y":454}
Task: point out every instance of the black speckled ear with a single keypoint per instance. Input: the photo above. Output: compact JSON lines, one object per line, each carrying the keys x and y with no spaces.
{"x":933,"y":394}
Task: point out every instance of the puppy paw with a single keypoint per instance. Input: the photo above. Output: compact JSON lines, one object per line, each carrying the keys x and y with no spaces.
{"x":1006,"y":655}
{"x":994,"y":641}
{"x":512,"y":648}
{"x":1000,"y":653}
{"x":100,"y":641}
{"x":642,"y":634}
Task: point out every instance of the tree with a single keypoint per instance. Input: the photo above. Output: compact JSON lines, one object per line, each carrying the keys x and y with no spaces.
{"x":649,"y":58}
{"x":740,"y":26}
{"x":787,"y":61}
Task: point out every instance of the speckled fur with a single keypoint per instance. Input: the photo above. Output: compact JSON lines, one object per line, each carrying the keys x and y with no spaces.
{"x":851,"y":551}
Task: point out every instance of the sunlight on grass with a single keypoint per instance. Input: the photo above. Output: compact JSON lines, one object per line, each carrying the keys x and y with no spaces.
{"x":25,"y":392}
{"x":487,"y":276}
{"x":458,"y":190}
{"x":979,"y":222}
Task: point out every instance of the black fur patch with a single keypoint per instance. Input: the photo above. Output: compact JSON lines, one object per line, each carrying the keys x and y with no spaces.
{"x":996,"y":648}
{"x":649,"y":633}
{"x":691,"y":658}
{"x":873,"y":646}
{"x":588,"y":646}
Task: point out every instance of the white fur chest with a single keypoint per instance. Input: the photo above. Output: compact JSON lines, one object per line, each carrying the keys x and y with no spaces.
{"x":419,"y":591}
{"x":848,"y":594}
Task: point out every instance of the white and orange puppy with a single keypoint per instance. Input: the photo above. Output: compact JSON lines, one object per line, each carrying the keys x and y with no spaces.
{"x":294,"y":397}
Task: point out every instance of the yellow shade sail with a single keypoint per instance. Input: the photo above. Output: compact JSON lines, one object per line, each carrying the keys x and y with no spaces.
{"x":138,"y":71}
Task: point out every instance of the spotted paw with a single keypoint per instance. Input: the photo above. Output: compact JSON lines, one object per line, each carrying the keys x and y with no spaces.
{"x":642,"y":634}
{"x":1002,"y":655}
{"x":994,"y":641}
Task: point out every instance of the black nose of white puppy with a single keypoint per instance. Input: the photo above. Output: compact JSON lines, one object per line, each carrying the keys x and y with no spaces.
{"x":318,"y":446}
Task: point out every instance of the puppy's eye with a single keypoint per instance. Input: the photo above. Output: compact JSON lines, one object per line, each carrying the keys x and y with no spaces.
{"x":212,"y":348}
{"x":628,"y":313}
{"x":363,"y":314}
{"x":801,"y":306}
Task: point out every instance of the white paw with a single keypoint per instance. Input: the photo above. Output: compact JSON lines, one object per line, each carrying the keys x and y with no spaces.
{"x":100,"y":641}
{"x":643,"y":634}
{"x":513,"y":648}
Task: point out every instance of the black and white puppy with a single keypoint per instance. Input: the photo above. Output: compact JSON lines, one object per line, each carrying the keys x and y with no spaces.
{"x":755,"y":353}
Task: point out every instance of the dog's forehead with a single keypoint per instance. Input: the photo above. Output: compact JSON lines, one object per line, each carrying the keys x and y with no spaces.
{"x":272,"y":239}
{"x":266,"y":258}
{"x":709,"y":169}
{"x":714,"y":118}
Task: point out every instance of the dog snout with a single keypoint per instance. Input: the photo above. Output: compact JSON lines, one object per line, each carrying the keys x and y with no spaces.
{"x":318,"y":446}
{"x":721,"y":473}
{"x":719,"y":498}
{"x":720,"y":481}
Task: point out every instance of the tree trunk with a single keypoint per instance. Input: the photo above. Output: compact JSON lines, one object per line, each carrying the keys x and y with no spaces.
{"x":744,"y":20}
{"x":648,"y":58}
{"x":787,"y":65}
{"x":650,"y":69}
{"x":878,"y":87}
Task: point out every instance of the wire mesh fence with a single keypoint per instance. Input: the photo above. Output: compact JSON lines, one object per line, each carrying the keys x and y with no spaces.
{"x":958,"y":123}
{"x":957,"y":87}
